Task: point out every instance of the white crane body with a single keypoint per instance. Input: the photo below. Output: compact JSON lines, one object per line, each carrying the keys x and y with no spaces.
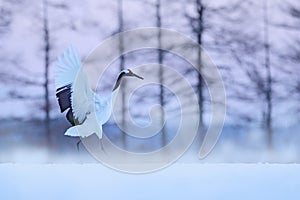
{"x":86,"y":110}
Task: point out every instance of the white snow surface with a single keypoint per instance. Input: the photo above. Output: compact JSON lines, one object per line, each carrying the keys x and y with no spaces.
{"x":179,"y":181}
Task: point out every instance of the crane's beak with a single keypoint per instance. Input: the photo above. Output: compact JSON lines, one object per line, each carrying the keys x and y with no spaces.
{"x":133,"y":74}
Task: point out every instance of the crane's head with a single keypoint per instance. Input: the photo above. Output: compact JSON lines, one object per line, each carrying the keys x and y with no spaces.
{"x":123,"y":73}
{"x":128,"y":72}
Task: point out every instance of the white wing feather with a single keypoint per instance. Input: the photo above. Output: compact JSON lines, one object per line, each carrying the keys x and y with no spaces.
{"x":82,"y":98}
{"x":68,"y":69}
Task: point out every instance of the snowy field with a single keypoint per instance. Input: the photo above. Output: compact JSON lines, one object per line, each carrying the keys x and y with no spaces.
{"x":179,"y":181}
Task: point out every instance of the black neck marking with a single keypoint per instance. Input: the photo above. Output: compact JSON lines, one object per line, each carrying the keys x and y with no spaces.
{"x":118,"y":82}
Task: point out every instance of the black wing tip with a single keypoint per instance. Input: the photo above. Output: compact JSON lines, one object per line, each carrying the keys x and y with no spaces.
{"x":63,"y":95}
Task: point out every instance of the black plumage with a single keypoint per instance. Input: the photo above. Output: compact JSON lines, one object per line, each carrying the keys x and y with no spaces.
{"x":63,"y":95}
{"x":70,"y":117}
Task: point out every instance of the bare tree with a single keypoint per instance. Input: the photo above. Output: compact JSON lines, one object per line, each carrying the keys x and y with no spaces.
{"x":160,"y":71}
{"x":268,"y":84}
{"x":295,"y":51}
{"x":203,"y":22}
{"x":291,"y":57}
{"x":158,"y":53}
{"x":252,"y":51}
{"x":207,"y":21}
{"x":46,"y":50}
{"x":47,"y":45}
{"x":121,"y":66}
{"x":197,"y":25}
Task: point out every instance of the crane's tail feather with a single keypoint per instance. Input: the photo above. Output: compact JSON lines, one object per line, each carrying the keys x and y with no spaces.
{"x":86,"y":129}
{"x":72,"y":131}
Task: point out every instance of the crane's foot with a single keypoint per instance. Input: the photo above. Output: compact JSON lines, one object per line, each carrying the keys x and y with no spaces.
{"x":102,"y":147}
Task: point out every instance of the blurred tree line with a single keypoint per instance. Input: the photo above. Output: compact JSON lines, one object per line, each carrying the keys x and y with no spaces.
{"x":254,"y":43}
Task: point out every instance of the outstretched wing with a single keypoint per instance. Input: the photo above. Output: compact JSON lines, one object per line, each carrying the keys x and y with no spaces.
{"x":82,"y":97}
{"x":68,"y":69}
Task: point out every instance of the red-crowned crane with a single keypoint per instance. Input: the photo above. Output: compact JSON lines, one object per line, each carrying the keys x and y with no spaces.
{"x":83,"y":105}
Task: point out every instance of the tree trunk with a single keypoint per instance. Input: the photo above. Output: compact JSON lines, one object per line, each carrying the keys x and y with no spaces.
{"x":199,"y":33}
{"x":46,"y":76}
{"x":160,"y":72}
{"x":122,"y":63}
{"x":269,"y":77}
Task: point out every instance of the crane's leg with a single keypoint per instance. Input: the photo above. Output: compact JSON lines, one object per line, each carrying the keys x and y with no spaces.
{"x":77,"y":144}
{"x":101,"y":144}
{"x":102,"y":147}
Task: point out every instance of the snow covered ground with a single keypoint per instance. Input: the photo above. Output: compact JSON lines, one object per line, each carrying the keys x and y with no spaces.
{"x":179,"y":181}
